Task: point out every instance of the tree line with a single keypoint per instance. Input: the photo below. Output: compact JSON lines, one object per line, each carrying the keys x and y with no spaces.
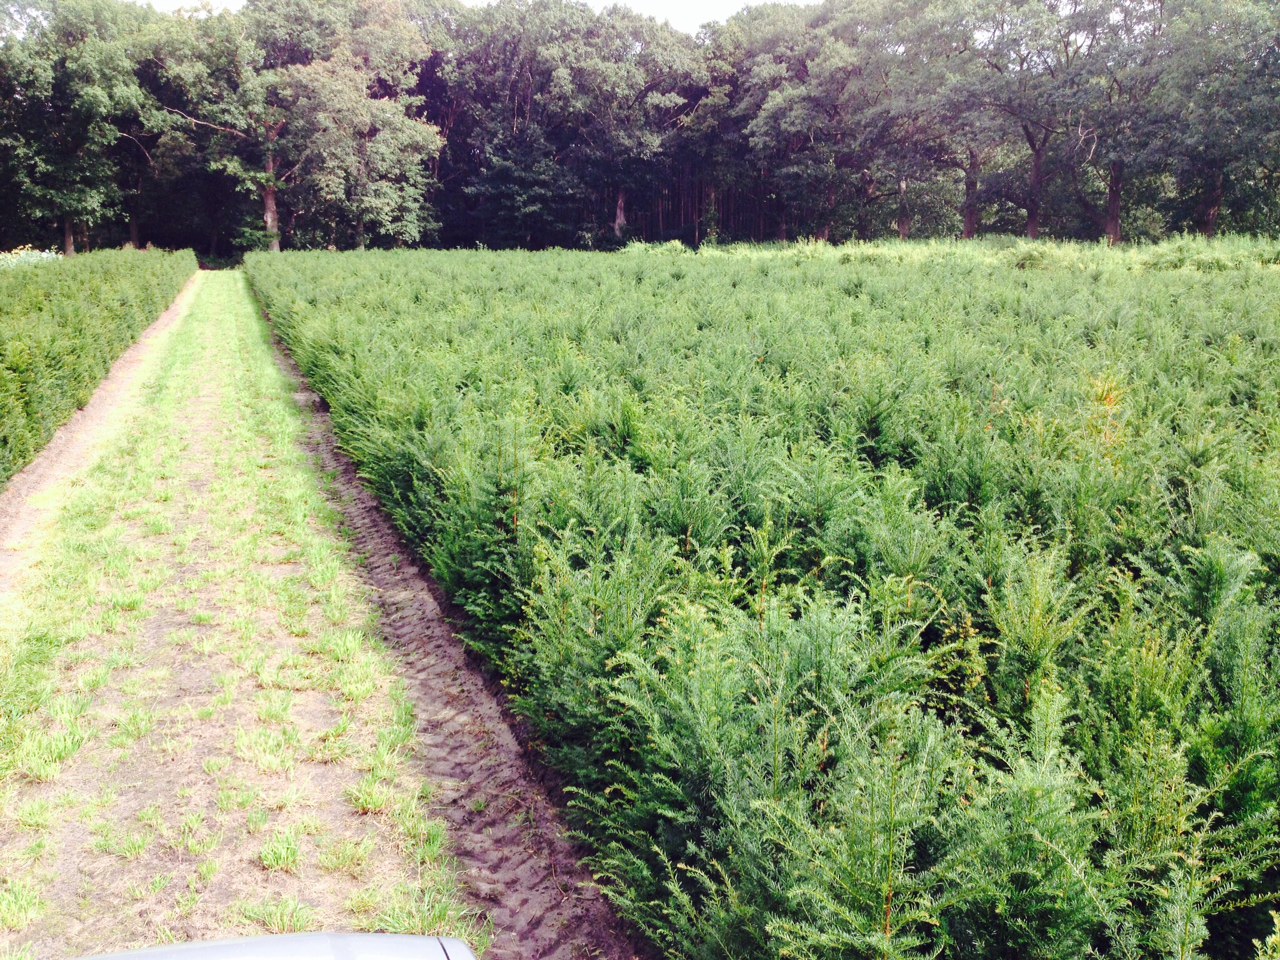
{"x":537,"y":123}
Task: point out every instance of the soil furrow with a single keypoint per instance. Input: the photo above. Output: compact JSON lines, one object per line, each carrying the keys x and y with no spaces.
{"x":506,"y":831}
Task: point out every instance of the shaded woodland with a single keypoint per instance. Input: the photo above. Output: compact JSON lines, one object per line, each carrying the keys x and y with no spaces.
{"x":539,"y":123}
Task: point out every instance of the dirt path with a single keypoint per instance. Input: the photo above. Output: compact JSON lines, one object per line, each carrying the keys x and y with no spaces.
{"x":30,"y":500}
{"x":508,"y":836}
{"x":201,"y":735}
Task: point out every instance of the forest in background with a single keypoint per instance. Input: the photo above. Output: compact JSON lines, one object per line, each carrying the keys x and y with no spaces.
{"x":540,"y":123}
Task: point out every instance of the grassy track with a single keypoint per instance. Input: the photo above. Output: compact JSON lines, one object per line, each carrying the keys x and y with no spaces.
{"x":203,"y":737}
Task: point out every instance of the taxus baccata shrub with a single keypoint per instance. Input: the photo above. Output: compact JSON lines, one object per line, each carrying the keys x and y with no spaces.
{"x":63,"y":322}
{"x":901,"y":600}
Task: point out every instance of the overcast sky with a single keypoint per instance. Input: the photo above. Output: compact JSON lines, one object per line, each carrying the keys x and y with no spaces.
{"x":687,"y":15}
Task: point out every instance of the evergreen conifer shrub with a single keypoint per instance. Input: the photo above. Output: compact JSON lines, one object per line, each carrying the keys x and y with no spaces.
{"x":892,"y":601}
{"x":62,"y":324}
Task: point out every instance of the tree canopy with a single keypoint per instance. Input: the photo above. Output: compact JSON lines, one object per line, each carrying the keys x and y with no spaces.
{"x":535,"y":123}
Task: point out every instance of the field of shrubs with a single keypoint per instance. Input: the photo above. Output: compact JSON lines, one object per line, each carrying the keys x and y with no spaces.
{"x":62,"y":324}
{"x":887,"y":601}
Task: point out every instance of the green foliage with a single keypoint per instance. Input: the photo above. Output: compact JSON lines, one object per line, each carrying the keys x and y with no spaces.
{"x":62,"y":325}
{"x":67,"y":84}
{"x":1270,"y":949}
{"x":547,"y":123}
{"x":877,"y":601}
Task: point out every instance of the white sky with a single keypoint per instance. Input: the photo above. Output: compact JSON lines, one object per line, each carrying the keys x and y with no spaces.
{"x":685,"y":15}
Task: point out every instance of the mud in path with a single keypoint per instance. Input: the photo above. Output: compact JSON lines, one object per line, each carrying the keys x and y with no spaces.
{"x":507,"y":834}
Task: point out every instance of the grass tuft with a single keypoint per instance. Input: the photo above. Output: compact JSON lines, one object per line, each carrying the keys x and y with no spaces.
{"x":279,"y":915}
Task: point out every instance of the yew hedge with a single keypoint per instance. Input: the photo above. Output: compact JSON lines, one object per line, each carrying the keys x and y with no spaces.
{"x":902,"y":600}
{"x":62,"y":325}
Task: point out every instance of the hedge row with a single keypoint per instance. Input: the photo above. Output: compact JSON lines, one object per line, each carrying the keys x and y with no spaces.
{"x":62,"y":325}
{"x":891,"y":601}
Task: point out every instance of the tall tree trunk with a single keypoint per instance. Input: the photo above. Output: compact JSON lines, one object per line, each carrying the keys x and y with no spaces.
{"x":865,"y":225}
{"x":904,"y":212}
{"x":135,"y":234}
{"x":68,"y":237}
{"x":620,"y":214}
{"x":271,"y":217}
{"x":698,"y":214}
{"x":972,"y":215}
{"x":1035,"y":185}
{"x":1211,"y":206}
{"x":360,"y":232}
{"x":1115,"y":184}
{"x":1035,"y":189}
{"x":825,"y":233}
{"x":270,"y":214}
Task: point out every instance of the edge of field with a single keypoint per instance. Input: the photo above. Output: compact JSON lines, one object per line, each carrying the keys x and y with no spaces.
{"x":27,"y":501}
{"x":501,"y":804}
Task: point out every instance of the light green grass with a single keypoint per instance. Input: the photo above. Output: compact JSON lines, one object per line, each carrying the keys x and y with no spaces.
{"x":163,"y":568}
{"x":20,"y":904}
{"x":282,"y":852}
{"x":279,"y":915}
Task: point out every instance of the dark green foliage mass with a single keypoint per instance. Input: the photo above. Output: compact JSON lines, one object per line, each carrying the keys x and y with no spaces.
{"x":545,"y":123}
{"x":878,"y":601}
{"x":62,"y":325}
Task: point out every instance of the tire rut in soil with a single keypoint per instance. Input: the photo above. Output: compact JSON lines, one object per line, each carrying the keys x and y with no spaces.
{"x":506,"y":832}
